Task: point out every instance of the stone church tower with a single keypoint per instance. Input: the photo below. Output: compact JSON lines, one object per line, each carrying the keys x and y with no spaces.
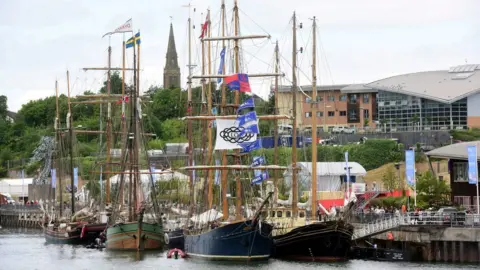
{"x":171,"y":73}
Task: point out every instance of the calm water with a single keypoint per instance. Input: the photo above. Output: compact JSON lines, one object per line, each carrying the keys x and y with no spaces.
{"x":23,"y":249}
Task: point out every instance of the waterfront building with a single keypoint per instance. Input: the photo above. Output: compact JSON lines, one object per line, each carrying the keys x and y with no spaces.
{"x":431,"y":100}
{"x":462,"y":193}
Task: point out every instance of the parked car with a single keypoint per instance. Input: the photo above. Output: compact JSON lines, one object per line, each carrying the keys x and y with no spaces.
{"x":341,"y":129}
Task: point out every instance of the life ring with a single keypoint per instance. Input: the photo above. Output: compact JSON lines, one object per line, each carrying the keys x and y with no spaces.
{"x":178,"y":251}
{"x":166,"y":238}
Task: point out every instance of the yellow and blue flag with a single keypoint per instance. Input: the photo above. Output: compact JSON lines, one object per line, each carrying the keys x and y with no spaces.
{"x":132,"y":41}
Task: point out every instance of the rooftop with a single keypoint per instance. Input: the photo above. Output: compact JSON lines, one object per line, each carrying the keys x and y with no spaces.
{"x":454,"y":151}
{"x":446,"y":86}
{"x":308,"y":88}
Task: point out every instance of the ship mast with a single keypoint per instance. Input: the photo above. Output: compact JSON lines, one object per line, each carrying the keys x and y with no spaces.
{"x":70,"y":131}
{"x":108,"y":128}
{"x":189,"y":112}
{"x":224,"y":103}
{"x":59,"y":147}
{"x":314,"y":121}
{"x":238,"y":188}
{"x":294,"y":134}
{"x":209,"y":112}
{"x":275,"y":131}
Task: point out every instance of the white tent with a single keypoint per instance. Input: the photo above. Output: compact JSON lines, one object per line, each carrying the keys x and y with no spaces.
{"x":159,"y":175}
{"x":16,"y":187}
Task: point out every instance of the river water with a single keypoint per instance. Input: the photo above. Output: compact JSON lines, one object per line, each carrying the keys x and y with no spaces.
{"x":26,"y":249}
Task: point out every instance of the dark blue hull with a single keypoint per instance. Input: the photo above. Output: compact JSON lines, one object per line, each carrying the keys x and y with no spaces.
{"x":176,"y":239}
{"x":238,"y":241}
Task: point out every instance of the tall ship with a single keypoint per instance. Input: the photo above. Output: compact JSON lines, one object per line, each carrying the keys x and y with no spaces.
{"x":238,"y":232}
{"x":299,"y":233}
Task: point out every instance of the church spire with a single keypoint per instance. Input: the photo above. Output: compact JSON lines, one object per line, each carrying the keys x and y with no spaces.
{"x":171,"y":73}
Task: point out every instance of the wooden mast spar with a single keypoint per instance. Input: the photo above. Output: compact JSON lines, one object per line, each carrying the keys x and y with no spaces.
{"x":294,"y":133}
{"x":314,"y":122}
{"x":223,"y":184}
{"x":59,"y":148}
{"x":70,"y":128}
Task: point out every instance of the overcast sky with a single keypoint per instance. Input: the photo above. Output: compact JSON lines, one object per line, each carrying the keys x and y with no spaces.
{"x":362,"y":40}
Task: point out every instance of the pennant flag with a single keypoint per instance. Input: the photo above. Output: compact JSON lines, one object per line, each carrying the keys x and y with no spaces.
{"x":123,"y":99}
{"x":124,"y":28}
{"x":228,"y":135}
{"x":247,"y":104}
{"x":220,"y":69}
{"x":204,"y":28}
{"x":53,"y":172}
{"x":248,"y":122}
{"x":217,"y":173}
{"x":260,"y":178}
{"x":250,"y":146}
{"x":131,"y":42}
{"x":238,"y":82}
{"x":257,"y":161}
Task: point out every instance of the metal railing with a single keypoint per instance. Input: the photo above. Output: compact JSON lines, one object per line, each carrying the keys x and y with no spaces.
{"x":388,"y":222}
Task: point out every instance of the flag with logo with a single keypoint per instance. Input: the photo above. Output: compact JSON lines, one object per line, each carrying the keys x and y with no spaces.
{"x":260,"y":178}
{"x":248,"y":123}
{"x":124,"y":28}
{"x":238,"y":82}
{"x":249,"y":103}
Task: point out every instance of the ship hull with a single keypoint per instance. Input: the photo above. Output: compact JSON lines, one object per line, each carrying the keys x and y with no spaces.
{"x":56,"y":237}
{"x":236,"y":242}
{"x":125,"y":236}
{"x":329,"y":241}
{"x":176,"y":239}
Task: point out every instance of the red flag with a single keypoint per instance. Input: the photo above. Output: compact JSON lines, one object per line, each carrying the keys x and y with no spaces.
{"x":238,"y":82}
{"x":204,"y":28}
{"x":123,"y":99}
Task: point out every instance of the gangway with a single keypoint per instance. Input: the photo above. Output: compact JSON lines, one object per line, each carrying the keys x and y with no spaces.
{"x":381,"y":225}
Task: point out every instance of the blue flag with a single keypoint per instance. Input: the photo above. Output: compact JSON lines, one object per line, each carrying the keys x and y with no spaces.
{"x":217,"y":173}
{"x":260,"y":178}
{"x":257,"y":161}
{"x":249,"y":123}
{"x":247,"y":104}
{"x":54,"y":178}
{"x":472,"y":164}
{"x":220,"y":69}
{"x":410,"y":167}
{"x":250,"y":146}
{"x":75,"y":177}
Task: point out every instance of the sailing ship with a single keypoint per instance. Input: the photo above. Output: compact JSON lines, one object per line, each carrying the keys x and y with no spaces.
{"x":74,"y":232}
{"x":135,"y":233}
{"x":243,"y":237}
{"x":303,"y":239}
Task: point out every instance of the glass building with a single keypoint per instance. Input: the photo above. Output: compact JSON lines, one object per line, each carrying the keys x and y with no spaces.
{"x":402,"y":112}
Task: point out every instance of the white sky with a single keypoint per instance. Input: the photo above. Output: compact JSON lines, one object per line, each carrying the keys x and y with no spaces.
{"x":362,"y":40}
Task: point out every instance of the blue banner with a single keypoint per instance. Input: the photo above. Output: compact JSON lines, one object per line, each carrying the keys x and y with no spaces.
{"x":259,"y":178}
{"x":249,"y":103}
{"x":410,"y":167}
{"x":257,"y":161}
{"x":75,"y":177}
{"x":217,"y":173}
{"x":53,"y":173}
{"x":250,"y":146}
{"x":472,"y":164}
{"x":346,"y":166}
{"x":249,"y":122}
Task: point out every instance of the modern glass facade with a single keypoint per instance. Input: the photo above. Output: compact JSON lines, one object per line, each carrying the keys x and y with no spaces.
{"x":404,"y":113}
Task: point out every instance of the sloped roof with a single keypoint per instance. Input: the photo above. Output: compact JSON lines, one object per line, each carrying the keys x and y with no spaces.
{"x":454,"y":151}
{"x":446,"y":86}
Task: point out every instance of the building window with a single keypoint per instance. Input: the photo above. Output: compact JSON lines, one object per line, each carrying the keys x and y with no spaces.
{"x":343,"y":97}
{"x":460,"y":172}
{"x":308,"y":114}
{"x":319,"y":98}
{"x":366,"y":98}
{"x":308,"y":100}
{"x":331,"y":113}
{"x":319,"y":114}
{"x":279,"y":213}
{"x":366,"y":114}
{"x":352,"y":114}
{"x":288,"y":214}
{"x":353,"y":98}
{"x":331,"y":98}
{"x":343,"y":113}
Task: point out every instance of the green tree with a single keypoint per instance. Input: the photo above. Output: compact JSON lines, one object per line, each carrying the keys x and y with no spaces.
{"x":115,"y":84}
{"x":3,"y":107}
{"x":431,"y":192}
{"x":389,"y":179}
{"x":173,"y":129}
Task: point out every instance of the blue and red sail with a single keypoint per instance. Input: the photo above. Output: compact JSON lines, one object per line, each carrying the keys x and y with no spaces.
{"x":238,"y":82}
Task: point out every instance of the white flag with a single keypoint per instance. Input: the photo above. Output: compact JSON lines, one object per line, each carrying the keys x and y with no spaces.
{"x":228,"y":135}
{"x":124,"y":28}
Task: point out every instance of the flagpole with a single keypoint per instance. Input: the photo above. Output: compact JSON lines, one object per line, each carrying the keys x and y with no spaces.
{"x":223,"y":112}
{"x":476,"y":167}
